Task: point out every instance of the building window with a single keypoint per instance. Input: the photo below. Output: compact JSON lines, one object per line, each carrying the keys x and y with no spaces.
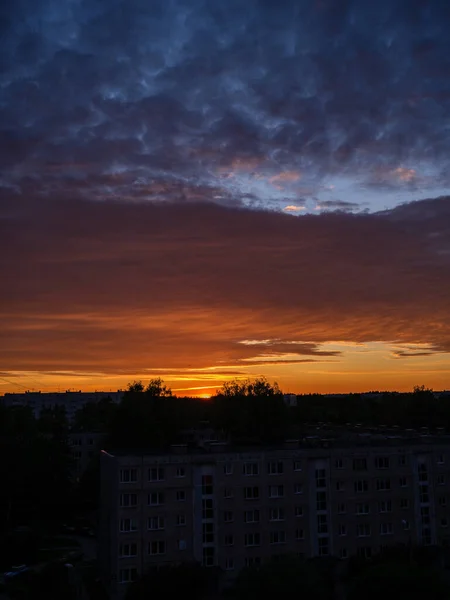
{"x":298,"y":511}
{"x":363,"y":530}
{"x":128,"y":525}
{"x":229,"y":564}
{"x":156,"y":474}
{"x":155,"y":499}
{"x":362,"y":508}
{"x":385,"y":528}
{"x":323,"y":546}
{"x":423,"y":494}
{"x":252,"y":561}
{"x":127,"y":550}
{"x":299,"y":534}
{"x":251,"y":516}
{"x":298,"y":488}
{"x":441,"y":459}
{"x":250,"y":469}
{"x":128,"y":575}
{"x":277,"y":537}
{"x":361,"y":486}
{"x":385,"y":506}
{"x":128,"y":500}
{"x":405,"y":525}
{"x":443,"y":501}
{"x":208,"y":556}
{"x":402,"y":460}
{"x":251,"y":493}
{"x":403,"y":482}
{"x":360,"y":464}
{"x":321,"y":501}
{"x":341,"y":508}
{"x":276,"y":491}
{"x":340,"y":486}
{"x":422,"y":470}
{"x":382,"y":462}
{"x":339,"y":463}
{"x":342,"y":529}
{"x":383,"y":485}
{"x":321,"y":480}
{"x":252,"y":539}
{"x":228,"y":469}
{"x":275,"y":468}
{"x":208,"y":533}
{"x":276,"y":514}
{"x":181,"y":545}
{"x":207,"y":509}
{"x":181,"y":495}
{"x":228,"y":493}
{"x":297,"y":465}
{"x":228,"y":516}
{"x":441,"y":479}
{"x":207,"y":485}
{"x":128,"y":475}
{"x":343,"y":553}
{"x":157,"y":547}
{"x":155,"y":523}
{"x":425,"y":515}
{"x":444,"y":522}
{"x":180,"y":520}
{"x":180,"y":472}
{"x":322,"y":524}
{"x":365,"y":552}
{"x":229,"y":540}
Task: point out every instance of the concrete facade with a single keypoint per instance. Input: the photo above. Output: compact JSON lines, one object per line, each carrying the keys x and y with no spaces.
{"x":71,"y":401}
{"x":231,"y":509}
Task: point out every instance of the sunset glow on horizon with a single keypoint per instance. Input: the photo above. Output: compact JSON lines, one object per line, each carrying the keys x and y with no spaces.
{"x":208,"y":191}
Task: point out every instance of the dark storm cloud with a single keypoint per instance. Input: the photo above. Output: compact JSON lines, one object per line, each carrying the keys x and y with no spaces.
{"x":129,"y":96}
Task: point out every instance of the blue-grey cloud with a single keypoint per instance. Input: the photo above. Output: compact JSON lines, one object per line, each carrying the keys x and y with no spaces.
{"x":226,"y":101}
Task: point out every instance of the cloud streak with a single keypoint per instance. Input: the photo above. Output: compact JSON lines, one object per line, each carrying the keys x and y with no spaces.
{"x":113,"y":286}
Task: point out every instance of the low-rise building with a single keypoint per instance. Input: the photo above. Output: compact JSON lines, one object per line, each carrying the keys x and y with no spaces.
{"x":71,"y":401}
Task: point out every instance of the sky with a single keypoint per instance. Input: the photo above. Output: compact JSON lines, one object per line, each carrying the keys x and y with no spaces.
{"x":208,"y":189}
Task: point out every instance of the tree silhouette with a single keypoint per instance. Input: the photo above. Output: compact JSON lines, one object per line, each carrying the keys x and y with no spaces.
{"x":251,"y":411}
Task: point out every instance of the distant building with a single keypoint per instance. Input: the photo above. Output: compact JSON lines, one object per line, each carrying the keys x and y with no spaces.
{"x":290,"y":399}
{"x":71,"y":401}
{"x":228,"y":508}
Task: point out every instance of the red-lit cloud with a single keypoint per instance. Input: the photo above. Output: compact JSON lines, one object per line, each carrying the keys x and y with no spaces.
{"x":120,"y":288}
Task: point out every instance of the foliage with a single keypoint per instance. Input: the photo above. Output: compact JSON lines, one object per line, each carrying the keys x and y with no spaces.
{"x":96,"y":416}
{"x":189,"y":581}
{"x":284,"y":578}
{"x":259,"y":387}
{"x":146,"y":418}
{"x":251,"y":411}
{"x":399,"y":580}
{"x":35,"y":468}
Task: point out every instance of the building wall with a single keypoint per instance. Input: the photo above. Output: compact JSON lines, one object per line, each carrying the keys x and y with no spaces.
{"x":84,"y":446}
{"x":71,"y":401}
{"x":235,"y":509}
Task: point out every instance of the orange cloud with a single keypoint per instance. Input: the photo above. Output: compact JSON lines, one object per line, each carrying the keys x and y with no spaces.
{"x":111,"y":291}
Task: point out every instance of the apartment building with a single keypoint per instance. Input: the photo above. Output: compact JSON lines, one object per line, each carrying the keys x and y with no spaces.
{"x":71,"y":401}
{"x":231,"y":509}
{"x":84,"y":446}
